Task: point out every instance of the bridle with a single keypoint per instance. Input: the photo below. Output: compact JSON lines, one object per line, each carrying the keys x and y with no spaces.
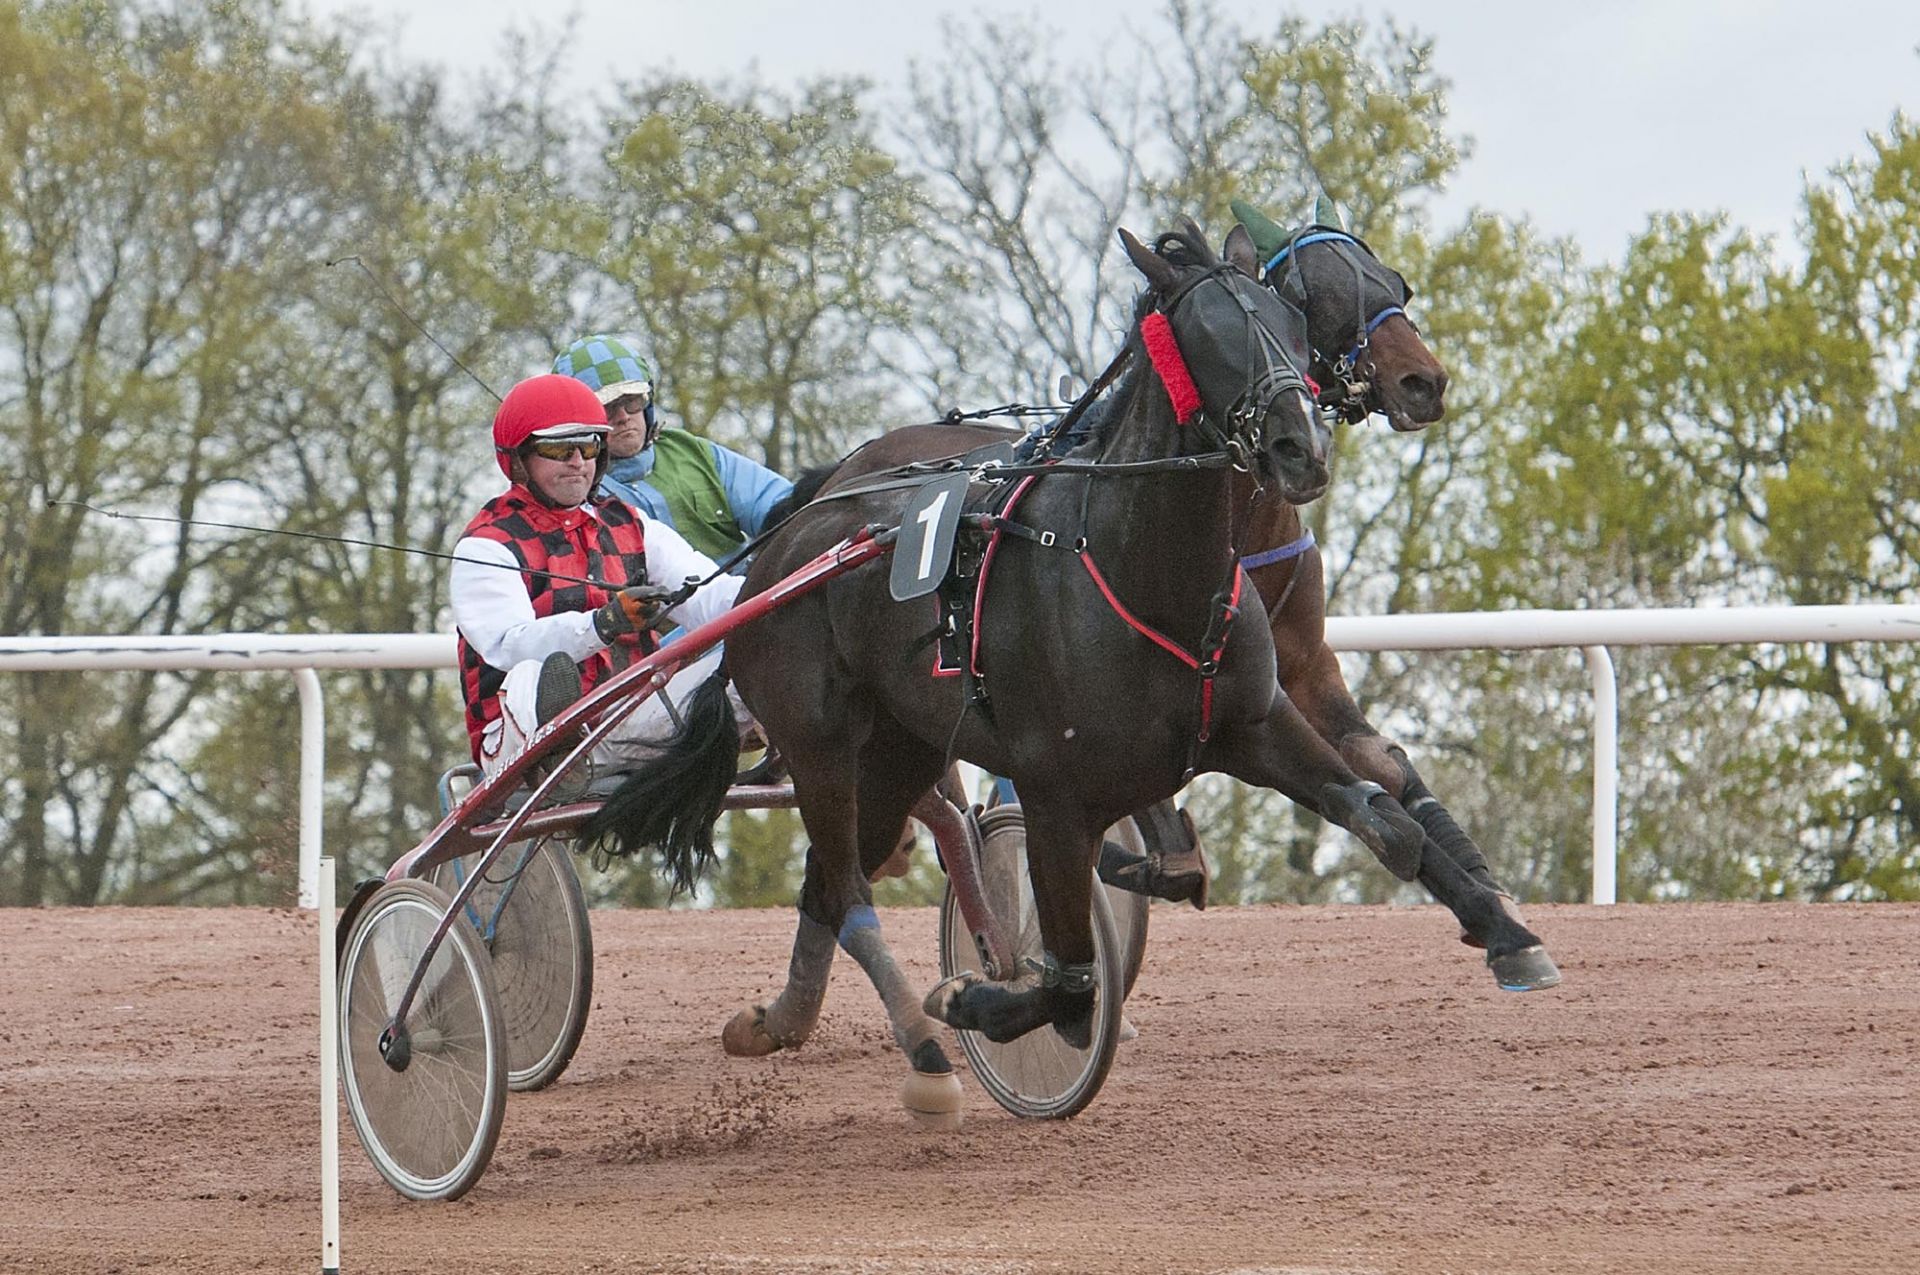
{"x":1348,"y":394}
{"x":1239,"y":435}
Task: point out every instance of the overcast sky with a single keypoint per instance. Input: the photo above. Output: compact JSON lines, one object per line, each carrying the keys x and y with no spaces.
{"x":1586,"y":118}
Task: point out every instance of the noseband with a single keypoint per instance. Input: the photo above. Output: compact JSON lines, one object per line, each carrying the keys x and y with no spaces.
{"x":1348,"y":396}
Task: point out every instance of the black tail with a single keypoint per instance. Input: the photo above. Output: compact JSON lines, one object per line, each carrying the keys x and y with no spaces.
{"x":671,"y":802}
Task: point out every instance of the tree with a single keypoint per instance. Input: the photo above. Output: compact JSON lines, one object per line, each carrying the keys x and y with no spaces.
{"x":176,"y":344}
{"x":760,"y":242}
{"x":130,"y":298}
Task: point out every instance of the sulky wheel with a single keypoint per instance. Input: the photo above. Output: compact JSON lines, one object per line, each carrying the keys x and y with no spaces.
{"x":1039,"y":1075}
{"x":428,"y":1111}
{"x":531,"y":915}
{"x":1129,"y":909}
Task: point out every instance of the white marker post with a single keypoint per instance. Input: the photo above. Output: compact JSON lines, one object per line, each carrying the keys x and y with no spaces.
{"x":329,"y":1080}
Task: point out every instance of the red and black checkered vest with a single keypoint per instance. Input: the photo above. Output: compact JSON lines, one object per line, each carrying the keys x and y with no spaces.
{"x":606,"y":545}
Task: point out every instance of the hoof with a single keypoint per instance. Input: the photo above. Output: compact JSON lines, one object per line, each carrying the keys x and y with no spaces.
{"x":1181,"y":878}
{"x":932,"y":1099}
{"x":1528,"y":970}
{"x":746,"y":1035}
{"x":1074,"y":1027}
{"x":1127,"y":1030}
{"x":940,"y":1004}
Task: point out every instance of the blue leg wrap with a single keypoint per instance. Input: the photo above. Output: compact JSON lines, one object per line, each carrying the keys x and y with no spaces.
{"x":859,"y":917}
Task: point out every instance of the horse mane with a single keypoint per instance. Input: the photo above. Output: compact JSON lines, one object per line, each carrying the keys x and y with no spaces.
{"x":1185,"y":248}
{"x":805,"y":488}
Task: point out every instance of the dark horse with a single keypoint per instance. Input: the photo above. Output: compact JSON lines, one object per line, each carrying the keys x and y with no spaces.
{"x":1116,"y":671}
{"x":1367,"y":358}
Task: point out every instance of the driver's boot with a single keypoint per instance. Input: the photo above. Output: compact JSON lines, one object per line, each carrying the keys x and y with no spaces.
{"x":556,"y":691}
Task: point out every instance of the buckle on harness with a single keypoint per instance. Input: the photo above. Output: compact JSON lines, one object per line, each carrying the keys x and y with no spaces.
{"x":1046,"y":540}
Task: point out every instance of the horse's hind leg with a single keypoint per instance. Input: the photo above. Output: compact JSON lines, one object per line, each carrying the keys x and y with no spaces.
{"x":789,"y":1020}
{"x":896,"y":769}
{"x":854,"y":814}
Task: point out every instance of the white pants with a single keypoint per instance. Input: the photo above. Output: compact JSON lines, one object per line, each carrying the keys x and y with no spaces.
{"x":640,"y":735}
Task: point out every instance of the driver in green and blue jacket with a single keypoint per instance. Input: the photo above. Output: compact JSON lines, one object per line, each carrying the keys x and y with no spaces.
{"x":713,"y":496}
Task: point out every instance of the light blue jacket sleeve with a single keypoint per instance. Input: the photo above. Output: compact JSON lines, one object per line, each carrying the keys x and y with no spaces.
{"x":752,"y":489}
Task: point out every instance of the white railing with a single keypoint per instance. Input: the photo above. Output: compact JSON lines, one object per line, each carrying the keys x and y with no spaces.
{"x":1591,"y":631}
{"x":298,"y":654}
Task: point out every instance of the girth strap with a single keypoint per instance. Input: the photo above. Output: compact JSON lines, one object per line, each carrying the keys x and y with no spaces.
{"x":1267,"y":557}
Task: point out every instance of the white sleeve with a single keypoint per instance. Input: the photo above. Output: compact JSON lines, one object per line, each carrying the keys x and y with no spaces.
{"x":670,"y":560}
{"x":493,"y":612}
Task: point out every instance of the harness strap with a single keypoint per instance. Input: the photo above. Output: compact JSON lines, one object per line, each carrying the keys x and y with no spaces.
{"x":1324,"y":236}
{"x":1226,"y":609}
{"x":1133,"y":621}
{"x":1000,"y":523}
{"x":1353,"y":355}
{"x":1267,"y":557}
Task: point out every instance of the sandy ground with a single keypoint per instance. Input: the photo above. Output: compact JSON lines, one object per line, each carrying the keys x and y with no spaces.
{"x":1726,"y":1088}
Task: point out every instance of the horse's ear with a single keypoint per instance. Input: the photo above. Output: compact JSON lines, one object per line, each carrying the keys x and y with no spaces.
{"x":1239,"y":252}
{"x":1326,"y":212}
{"x":1147,"y":261}
{"x":1268,"y":238}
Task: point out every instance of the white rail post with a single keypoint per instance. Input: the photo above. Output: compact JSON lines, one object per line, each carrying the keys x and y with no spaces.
{"x":313,"y":773}
{"x":329,"y":1077}
{"x":1606,"y":774}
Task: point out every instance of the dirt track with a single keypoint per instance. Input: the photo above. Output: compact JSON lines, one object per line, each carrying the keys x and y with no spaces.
{"x":1716,"y":1088}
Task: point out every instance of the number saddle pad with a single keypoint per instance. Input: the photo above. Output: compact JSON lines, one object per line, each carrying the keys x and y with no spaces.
{"x":963,"y":589}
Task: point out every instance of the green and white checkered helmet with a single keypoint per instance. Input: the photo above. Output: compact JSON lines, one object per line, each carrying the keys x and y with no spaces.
{"x":607,"y":365}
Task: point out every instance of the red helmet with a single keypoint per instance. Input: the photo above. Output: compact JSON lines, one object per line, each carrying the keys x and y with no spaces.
{"x":548,"y":406}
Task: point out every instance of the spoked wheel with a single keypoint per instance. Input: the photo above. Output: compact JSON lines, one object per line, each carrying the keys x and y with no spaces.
{"x":531,"y":915}
{"x":1129,"y":909}
{"x":430,"y":1125}
{"x":1039,"y":1075}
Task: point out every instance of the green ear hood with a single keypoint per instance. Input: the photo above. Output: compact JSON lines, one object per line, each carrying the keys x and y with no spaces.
{"x":1268,"y":238}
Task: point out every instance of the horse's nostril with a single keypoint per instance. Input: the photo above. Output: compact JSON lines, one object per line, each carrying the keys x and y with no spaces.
{"x":1425,"y":389}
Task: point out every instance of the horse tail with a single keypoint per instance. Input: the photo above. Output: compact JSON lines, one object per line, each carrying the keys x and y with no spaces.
{"x":671,"y":802}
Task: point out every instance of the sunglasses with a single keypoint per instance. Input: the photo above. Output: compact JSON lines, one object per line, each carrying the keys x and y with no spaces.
{"x":629,"y":404}
{"x":564,"y":448}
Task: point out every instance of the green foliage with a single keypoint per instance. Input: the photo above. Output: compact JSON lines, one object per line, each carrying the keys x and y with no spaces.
{"x":760,"y":241}
{"x":1713,"y":419}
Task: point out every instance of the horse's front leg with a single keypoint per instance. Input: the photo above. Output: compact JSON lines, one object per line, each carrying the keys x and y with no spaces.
{"x":1283,"y":752}
{"x":1488,"y":916}
{"x":1060,"y":850}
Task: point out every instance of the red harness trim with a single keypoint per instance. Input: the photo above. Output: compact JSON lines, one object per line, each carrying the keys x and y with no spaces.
{"x":1207,"y":663}
{"x":1134,"y":622}
{"x":1157,"y":334}
{"x":986,"y":563}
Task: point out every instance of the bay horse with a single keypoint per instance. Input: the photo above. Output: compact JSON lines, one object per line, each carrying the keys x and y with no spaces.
{"x":1106,"y":635}
{"x":1370,"y":358}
